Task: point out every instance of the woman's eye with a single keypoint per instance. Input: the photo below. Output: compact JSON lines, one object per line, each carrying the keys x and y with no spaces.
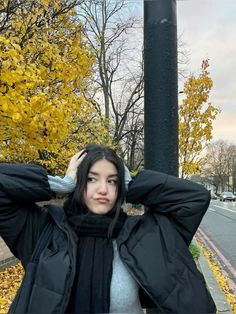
{"x":113,"y":182}
{"x":91,"y":179}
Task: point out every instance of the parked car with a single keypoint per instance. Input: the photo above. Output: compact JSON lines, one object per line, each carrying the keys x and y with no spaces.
{"x":213,"y":195}
{"x":227,"y":196}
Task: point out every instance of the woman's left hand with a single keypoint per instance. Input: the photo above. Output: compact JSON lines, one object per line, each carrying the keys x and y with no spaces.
{"x":74,"y":164}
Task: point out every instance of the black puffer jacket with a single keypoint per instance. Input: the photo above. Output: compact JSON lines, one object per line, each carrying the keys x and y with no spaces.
{"x":153,"y":245}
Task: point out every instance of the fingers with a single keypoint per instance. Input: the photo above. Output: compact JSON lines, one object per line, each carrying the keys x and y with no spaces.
{"x":81,"y":153}
{"x":78,"y":157}
{"x":75,"y":162}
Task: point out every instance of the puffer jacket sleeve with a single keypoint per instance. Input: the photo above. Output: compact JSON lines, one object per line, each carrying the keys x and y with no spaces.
{"x":21,"y":185}
{"x":183,"y":201}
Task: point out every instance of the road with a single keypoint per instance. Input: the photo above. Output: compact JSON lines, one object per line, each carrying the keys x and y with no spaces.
{"x":219,"y":229}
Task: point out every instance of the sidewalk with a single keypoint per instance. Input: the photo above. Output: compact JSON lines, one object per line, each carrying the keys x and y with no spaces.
{"x":6,"y":257}
{"x":218,"y":296}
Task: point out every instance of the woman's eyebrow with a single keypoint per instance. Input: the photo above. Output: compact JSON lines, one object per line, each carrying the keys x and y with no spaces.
{"x":97,"y":174}
{"x":113,"y":175}
{"x":93,"y":173}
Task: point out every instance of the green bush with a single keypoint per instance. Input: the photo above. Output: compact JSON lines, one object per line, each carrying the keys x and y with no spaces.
{"x":194,"y":250}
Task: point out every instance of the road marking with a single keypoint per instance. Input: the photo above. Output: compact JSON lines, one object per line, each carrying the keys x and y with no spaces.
{"x":225,"y":261}
{"x":230,"y":210}
{"x":212,"y":209}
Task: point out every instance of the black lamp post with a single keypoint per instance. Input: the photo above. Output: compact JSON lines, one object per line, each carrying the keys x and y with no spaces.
{"x":160,"y":86}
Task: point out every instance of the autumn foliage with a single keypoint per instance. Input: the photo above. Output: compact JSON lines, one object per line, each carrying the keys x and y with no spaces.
{"x":219,"y":275}
{"x":10,"y":280}
{"x":196,"y":115}
{"x":45,"y":65}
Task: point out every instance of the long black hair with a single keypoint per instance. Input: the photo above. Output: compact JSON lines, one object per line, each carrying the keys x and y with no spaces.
{"x":76,"y":204}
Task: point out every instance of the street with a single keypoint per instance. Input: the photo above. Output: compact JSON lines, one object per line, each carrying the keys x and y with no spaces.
{"x":218,"y":228}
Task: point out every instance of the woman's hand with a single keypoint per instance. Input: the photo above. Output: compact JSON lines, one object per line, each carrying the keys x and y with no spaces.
{"x":74,"y":164}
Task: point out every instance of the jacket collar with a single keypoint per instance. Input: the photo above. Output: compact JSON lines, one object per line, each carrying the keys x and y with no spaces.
{"x":57,"y":213}
{"x":129,"y":225}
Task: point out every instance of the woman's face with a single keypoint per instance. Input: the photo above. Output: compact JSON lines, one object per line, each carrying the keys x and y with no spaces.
{"x":102,"y":187}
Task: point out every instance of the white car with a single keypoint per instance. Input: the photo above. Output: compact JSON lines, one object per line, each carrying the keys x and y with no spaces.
{"x":227,"y":196}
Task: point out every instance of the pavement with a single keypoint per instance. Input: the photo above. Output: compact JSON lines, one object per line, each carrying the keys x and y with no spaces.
{"x":214,"y":288}
{"x":6,"y":257}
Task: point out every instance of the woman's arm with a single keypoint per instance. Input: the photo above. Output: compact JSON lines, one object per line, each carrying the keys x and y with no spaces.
{"x":61,"y":186}
{"x":24,"y":183}
{"x":66,"y":185}
{"x":21,"y":185}
{"x":184,"y":201}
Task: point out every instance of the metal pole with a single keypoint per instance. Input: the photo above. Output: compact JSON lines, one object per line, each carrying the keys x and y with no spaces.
{"x":160,"y":86}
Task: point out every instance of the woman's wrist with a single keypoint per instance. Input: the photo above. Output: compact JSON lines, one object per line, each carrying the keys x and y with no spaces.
{"x":60,"y":185}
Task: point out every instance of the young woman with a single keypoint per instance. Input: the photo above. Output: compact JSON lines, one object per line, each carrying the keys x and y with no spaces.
{"x":90,"y":257}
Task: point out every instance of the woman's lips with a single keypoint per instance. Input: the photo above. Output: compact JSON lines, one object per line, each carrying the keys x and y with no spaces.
{"x":102,"y":200}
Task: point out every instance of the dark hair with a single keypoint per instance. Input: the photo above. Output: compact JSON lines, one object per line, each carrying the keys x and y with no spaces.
{"x":76,"y":205}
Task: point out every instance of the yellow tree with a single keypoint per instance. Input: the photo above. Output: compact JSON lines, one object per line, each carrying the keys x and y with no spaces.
{"x":196,"y":115}
{"x":45,"y":64}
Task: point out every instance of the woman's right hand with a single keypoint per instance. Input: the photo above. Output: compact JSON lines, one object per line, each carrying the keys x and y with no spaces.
{"x":74,"y":164}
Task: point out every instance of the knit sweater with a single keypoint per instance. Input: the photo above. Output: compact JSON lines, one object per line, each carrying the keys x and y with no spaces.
{"x":124,"y":289}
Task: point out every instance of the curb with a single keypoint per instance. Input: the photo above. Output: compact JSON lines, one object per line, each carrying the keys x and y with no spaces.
{"x":218,"y":296}
{"x":8,"y":262}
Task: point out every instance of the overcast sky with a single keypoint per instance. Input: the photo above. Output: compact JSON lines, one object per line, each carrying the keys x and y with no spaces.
{"x":208,"y":28}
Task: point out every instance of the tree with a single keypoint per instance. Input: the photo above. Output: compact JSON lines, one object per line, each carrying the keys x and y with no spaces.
{"x":133,"y":140}
{"x":232,"y":167}
{"x":10,"y":9}
{"x":44,"y":70}
{"x":118,"y":73}
{"x":195,"y":121}
{"x":220,"y":165}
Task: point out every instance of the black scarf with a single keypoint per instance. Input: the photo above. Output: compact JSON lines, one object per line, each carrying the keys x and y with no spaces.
{"x":91,"y":290}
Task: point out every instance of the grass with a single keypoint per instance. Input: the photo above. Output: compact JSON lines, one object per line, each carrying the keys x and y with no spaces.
{"x":194,"y":250}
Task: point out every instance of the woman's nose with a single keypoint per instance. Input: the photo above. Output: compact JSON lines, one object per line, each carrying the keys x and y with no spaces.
{"x":102,"y":188}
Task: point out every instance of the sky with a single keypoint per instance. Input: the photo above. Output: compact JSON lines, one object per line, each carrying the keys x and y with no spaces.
{"x":208,"y":29}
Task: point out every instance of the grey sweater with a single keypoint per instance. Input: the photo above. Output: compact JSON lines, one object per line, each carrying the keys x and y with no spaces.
{"x":124,"y":289}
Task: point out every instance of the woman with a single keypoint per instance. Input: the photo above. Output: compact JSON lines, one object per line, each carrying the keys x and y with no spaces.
{"x":90,"y":257}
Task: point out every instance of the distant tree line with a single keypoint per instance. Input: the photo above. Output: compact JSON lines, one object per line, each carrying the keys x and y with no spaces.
{"x":219,"y":169}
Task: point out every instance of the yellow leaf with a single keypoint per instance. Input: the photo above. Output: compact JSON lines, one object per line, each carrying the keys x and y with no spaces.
{"x":16,"y":117}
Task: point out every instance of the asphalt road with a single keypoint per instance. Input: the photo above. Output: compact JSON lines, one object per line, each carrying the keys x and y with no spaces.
{"x":219,"y":227}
